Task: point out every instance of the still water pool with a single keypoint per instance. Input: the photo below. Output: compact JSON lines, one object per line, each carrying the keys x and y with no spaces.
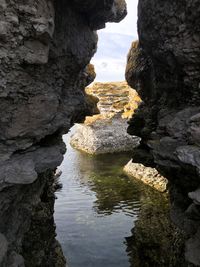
{"x":96,"y":209}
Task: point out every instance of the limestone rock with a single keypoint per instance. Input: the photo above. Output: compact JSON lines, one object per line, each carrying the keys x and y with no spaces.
{"x":107,"y":132}
{"x":147,"y":175}
{"x":104,"y":136}
{"x":115,"y":97}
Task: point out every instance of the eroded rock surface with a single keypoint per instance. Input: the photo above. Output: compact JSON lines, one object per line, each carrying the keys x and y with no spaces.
{"x":45,"y":49}
{"x":147,"y":175}
{"x":164,"y":67}
{"x":107,"y":131}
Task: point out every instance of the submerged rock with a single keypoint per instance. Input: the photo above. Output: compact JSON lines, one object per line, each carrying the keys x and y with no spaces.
{"x":155,"y":240}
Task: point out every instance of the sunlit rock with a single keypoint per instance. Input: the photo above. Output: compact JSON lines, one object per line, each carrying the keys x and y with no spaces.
{"x":107,"y":132}
{"x":147,"y":175}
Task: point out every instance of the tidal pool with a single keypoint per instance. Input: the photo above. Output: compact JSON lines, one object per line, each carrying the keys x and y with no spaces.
{"x":96,"y":209}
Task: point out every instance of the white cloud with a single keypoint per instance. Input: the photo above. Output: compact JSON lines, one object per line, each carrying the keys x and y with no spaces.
{"x":112,"y":70}
{"x":113,"y":46}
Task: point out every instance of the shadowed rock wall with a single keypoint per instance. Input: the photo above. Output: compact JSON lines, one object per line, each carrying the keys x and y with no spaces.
{"x":164,"y":68}
{"x":45,"y":47}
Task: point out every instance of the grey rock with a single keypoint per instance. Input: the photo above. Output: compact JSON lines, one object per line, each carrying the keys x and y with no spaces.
{"x":4,"y":28}
{"x":195,"y":196}
{"x":3,"y":249}
{"x":189,"y":155}
{"x":16,"y":260}
{"x":45,"y":48}
{"x":104,"y":136}
{"x":194,"y":129}
{"x":192,"y":249}
{"x":179,"y":124}
{"x":35,"y":52}
{"x":3,"y":4}
{"x":19,"y":172}
{"x":163,"y":66}
{"x":193,"y":212}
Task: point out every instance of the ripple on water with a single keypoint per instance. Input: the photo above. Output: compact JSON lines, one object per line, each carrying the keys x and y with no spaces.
{"x":96,"y":209}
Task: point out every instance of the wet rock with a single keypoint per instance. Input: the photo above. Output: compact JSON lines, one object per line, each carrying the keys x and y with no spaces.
{"x":155,"y":240}
{"x":147,"y":175}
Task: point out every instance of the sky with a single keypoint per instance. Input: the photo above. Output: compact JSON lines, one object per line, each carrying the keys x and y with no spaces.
{"x":113,"y":46}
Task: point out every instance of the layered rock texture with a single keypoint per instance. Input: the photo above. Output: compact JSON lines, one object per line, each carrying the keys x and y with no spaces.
{"x":164,"y":67}
{"x":115,"y":97}
{"x":147,"y":175}
{"x":107,"y":131}
{"x":45,"y":49}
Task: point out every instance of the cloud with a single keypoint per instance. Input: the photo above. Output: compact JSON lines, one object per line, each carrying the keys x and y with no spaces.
{"x":129,"y":25}
{"x":113,"y":46}
{"x":110,"y":60}
{"x":113,"y":70}
{"x":104,"y":65}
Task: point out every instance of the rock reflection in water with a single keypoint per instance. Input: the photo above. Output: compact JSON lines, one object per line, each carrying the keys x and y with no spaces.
{"x":155,"y":241}
{"x":113,"y":190}
{"x":96,"y":210}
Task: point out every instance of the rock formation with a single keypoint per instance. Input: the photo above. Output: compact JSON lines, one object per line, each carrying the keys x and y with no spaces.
{"x":45,"y":48}
{"x":107,"y":132}
{"x":164,"y":67}
{"x":147,"y":175}
{"x":115,"y":97}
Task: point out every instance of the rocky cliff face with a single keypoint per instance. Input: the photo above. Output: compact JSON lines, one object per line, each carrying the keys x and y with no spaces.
{"x":164,"y":67}
{"x":45,"y":47}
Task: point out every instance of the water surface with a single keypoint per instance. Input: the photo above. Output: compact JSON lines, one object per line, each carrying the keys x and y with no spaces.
{"x":96,"y":209}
